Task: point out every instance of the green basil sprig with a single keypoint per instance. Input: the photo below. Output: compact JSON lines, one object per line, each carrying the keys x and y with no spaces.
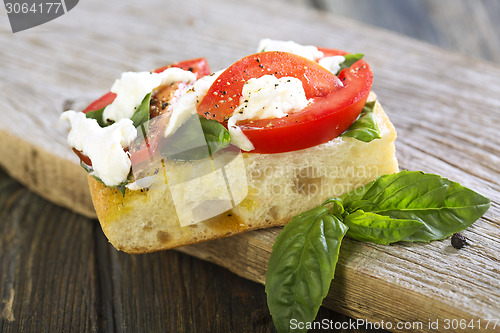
{"x":197,"y":138}
{"x":442,"y":206}
{"x":350,"y":59}
{"x":141,"y":114}
{"x":216,"y":135}
{"x":365,"y":128}
{"x":97,"y":115}
{"x":406,"y":206}
{"x":302,"y":266}
{"x":379,"y":229}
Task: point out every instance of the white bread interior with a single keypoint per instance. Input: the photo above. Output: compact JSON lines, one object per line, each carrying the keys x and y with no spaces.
{"x":280,"y":186}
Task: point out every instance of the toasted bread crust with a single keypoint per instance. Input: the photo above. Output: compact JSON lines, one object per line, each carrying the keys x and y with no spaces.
{"x":223,"y":225}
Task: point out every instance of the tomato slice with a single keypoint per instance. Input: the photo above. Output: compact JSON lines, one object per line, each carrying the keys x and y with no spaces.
{"x":331,"y":52}
{"x":101,"y":102}
{"x":142,"y":151}
{"x":224,"y":95}
{"x":332,"y":110}
{"x":198,"y":66}
{"x":84,"y":158}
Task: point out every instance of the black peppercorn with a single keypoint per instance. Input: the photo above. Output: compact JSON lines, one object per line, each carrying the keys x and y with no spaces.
{"x":458,"y":241}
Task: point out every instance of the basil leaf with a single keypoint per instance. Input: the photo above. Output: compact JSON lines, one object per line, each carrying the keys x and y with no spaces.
{"x":121,"y":188}
{"x":302,"y":266}
{"x":141,"y":114}
{"x":350,"y":59}
{"x":365,"y":128}
{"x":443,"y":206}
{"x":379,"y":229}
{"x":97,"y":115}
{"x":187,"y":143}
{"x":216,"y":135}
{"x":197,"y":138}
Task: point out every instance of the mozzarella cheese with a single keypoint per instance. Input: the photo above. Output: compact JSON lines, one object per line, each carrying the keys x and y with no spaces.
{"x":132,"y":87}
{"x":103,"y":145}
{"x":307,"y":51}
{"x":186,"y":105}
{"x":332,"y":63}
{"x":263,"y":98}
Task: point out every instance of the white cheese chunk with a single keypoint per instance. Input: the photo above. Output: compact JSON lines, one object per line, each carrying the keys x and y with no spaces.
{"x":332,"y":63}
{"x":307,"y":51}
{"x":186,"y":105}
{"x":103,"y":145}
{"x":263,"y":98}
{"x":132,"y":87}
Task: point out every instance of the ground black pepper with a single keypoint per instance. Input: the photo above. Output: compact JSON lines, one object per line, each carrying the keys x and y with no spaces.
{"x":458,"y":241}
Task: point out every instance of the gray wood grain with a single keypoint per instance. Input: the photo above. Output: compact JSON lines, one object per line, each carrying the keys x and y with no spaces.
{"x":67,"y":278}
{"x":59,"y":273}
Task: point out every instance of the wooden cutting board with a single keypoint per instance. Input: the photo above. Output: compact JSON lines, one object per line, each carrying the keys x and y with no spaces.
{"x":444,"y":106}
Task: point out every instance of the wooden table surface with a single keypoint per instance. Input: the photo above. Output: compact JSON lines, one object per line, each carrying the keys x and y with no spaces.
{"x":59,"y":273}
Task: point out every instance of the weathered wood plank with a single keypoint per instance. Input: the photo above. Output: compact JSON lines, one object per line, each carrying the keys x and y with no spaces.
{"x":65,"y":278}
{"x":39,"y":280}
{"x":428,"y":105}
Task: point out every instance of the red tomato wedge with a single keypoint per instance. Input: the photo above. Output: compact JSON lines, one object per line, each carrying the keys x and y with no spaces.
{"x":332,"y":110}
{"x":224,"y":95}
{"x":101,"y":102}
{"x":142,"y":150}
{"x":84,"y":158}
{"x":331,"y":52}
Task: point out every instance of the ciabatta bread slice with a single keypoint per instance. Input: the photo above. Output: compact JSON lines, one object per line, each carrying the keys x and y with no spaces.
{"x":280,"y":186}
